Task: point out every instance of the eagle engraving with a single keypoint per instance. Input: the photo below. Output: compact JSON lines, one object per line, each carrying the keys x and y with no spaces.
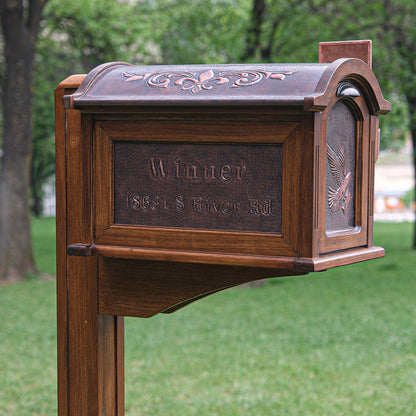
{"x":339,"y":198}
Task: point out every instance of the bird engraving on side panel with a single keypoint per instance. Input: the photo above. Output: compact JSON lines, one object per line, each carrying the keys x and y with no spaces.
{"x":339,"y":198}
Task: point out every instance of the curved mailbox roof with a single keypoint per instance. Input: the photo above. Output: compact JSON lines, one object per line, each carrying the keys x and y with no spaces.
{"x":309,"y":86}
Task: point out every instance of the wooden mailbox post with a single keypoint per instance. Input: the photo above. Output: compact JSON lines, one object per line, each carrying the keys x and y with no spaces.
{"x":174,"y":182}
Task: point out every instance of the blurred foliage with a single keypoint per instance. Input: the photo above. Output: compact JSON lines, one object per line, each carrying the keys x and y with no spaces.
{"x":94,"y":31}
{"x":2,"y":74}
{"x":408,"y":198}
{"x":394,"y":129}
{"x":194,"y":31}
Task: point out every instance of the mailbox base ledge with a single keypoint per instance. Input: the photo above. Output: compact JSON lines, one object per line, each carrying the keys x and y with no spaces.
{"x":299,"y":264}
{"x":343,"y":258}
{"x":226,"y":259}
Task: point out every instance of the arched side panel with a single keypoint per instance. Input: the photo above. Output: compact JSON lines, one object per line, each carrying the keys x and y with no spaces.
{"x":341,"y":168}
{"x":343,"y":196}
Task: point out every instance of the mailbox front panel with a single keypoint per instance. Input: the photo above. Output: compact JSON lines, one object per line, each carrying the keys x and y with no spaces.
{"x":217,"y":186}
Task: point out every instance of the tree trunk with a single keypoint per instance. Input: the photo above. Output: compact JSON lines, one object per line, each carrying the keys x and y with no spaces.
{"x":414,"y":175}
{"x":253,"y":44}
{"x":16,"y":254}
{"x":36,"y":206}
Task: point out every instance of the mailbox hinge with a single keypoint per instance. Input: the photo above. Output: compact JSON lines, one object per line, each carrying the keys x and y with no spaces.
{"x":80,"y":250}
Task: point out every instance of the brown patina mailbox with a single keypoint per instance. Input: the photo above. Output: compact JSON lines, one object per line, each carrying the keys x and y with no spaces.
{"x":174,"y":182}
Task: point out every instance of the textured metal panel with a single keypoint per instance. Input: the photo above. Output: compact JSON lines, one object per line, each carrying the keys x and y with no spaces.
{"x":203,"y":186}
{"x":340,"y":170}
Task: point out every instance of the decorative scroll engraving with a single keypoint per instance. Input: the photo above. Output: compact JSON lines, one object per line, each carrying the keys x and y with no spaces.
{"x":198,"y":81}
{"x":340,"y":198}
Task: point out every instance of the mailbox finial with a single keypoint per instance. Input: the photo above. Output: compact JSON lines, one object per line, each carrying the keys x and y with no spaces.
{"x":331,"y":51}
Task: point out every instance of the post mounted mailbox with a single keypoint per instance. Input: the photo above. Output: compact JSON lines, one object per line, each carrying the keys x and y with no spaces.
{"x":174,"y":182}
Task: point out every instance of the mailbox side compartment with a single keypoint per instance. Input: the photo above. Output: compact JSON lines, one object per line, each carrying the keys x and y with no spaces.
{"x":347,"y":103}
{"x":345,"y":138}
{"x":348,"y":135}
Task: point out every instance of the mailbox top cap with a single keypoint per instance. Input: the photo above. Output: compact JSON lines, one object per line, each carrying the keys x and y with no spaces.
{"x":309,"y":86}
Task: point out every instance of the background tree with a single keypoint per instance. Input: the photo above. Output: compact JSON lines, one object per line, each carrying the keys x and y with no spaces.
{"x":283,"y":31}
{"x":20,"y":24}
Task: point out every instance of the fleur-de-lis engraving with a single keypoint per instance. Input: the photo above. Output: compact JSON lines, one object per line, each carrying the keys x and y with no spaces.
{"x":339,"y":198}
{"x":202,"y":82}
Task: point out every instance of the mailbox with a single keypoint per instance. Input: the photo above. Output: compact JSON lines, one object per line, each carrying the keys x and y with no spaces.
{"x":257,"y":165}
{"x":174,"y":182}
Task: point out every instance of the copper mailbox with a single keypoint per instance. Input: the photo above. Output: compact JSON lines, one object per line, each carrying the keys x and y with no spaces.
{"x":174,"y":182}
{"x":261,"y":165}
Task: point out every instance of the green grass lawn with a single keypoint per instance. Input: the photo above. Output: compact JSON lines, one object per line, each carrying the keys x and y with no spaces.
{"x":341,"y":342}
{"x":43,"y":234}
